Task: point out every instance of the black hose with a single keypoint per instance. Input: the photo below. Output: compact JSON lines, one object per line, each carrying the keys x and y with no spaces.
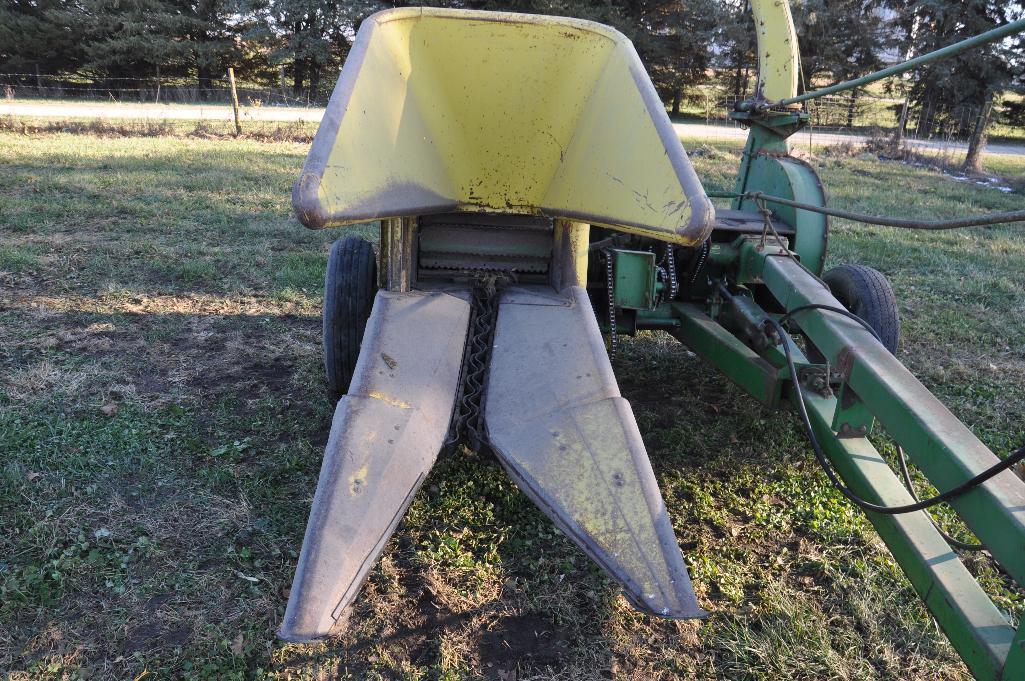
{"x":903,"y":223}
{"x":831,"y":308}
{"x":956,"y":543}
{"x":827,"y":467}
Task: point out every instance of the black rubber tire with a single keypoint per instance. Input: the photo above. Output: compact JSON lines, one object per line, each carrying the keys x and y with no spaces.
{"x":350,"y":285}
{"x":867,"y":293}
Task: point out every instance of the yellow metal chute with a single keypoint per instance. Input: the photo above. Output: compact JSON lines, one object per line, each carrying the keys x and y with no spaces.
{"x":778,"y":56}
{"x":442,"y":110}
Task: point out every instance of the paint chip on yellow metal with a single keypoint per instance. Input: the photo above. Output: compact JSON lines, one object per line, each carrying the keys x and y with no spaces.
{"x":440,"y":110}
{"x":778,"y":56}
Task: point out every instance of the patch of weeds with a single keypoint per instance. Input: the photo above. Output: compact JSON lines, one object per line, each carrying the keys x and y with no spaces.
{"x":263,"y":131}
{"x":17,"y":259}
{"x":303,"y":272}
{"x":193,"y":272}
{"x":787,"y":640}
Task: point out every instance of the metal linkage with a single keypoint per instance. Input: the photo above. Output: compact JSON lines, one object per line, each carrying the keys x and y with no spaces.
{"x":698,"y":263}
{"x":665,"y":271}
{"x":468,"y":419}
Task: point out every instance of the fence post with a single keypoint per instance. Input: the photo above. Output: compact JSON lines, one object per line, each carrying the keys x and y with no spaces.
{"x":234,"y":100}
{"x":898,"y":135}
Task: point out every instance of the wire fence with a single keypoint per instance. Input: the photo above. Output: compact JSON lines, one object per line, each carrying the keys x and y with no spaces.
{"x":862,"y":117}
{"x":852,"y":118}
{"x":24,"y":86}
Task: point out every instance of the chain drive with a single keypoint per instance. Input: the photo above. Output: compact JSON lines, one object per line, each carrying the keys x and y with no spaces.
{"x":610,"y":288}
{"x":468,"y":418}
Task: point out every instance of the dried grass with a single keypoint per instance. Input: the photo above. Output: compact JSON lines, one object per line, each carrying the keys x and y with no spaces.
{"x":263,"y":131}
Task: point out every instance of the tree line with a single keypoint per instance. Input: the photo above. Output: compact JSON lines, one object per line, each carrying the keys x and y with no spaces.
{"x":683,"y":43}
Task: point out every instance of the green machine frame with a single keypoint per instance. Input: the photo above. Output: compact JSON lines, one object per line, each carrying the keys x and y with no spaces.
{"x":853,"y":384}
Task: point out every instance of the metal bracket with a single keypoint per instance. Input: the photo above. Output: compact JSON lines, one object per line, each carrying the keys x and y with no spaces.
{"x":780,"y":123}
{"x":816,"y":377}
{"x":634,"y":277}
{"x":398,"y":246}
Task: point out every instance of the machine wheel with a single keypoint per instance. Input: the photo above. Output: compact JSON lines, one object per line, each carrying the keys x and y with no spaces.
{"x":866,"y":292}
{"x":349,"y":288}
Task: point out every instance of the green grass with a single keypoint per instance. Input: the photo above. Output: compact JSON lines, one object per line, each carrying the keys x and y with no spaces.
{"x":162,"y":417}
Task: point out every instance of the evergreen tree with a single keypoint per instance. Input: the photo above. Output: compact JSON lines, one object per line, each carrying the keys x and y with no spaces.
{"x":735,"y":40}
{"x":212,"y":29}
{"x":674,"y":40}
{"x":131,"y":38}
{"x":136,"y":39}
{"x":944,"y":90}
{"x":314,"y":35}
{"x":840,"y":40}
{"x":34,"y":40}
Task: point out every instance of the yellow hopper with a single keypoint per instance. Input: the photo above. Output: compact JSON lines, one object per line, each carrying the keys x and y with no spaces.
{"x":439,"y":111}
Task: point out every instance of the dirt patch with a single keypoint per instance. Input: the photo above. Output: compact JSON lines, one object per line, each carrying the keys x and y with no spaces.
{"x":152,"y":636}
{"x":156,"y":349}
{"x":195,"y":304}
{"x":233,"y":375}
{"x":520,"y":639}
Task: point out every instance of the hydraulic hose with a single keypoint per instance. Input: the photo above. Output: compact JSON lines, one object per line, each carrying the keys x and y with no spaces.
{"x":827,"y":467}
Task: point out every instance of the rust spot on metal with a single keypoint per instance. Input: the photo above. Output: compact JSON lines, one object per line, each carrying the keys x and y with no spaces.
{"x":845,"y":362}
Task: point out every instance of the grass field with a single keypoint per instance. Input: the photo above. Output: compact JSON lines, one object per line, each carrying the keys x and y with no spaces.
{"x":163,"y":413}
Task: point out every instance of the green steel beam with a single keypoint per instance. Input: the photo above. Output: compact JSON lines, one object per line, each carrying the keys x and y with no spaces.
{"x":974,"y":625}
{"x":942,"y":447}
{"x":983,"y":637}
{"x":1014,"y":666}
{"x":716,"y":345}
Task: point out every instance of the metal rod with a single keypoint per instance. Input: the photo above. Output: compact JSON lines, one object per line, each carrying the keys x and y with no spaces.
{"x":958,"y":47}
